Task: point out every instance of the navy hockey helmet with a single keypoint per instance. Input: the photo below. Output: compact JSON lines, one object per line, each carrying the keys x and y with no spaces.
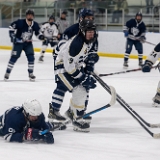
{"x":85,"y":12}
{"x":29,"y":11}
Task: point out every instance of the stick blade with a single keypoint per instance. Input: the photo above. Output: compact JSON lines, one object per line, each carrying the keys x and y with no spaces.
{"x":113,"y":95}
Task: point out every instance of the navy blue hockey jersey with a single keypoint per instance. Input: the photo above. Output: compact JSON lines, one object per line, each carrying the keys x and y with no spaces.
{"x":134,"y":28}
{"x":14,"y":123}
{"x":23,"y":31}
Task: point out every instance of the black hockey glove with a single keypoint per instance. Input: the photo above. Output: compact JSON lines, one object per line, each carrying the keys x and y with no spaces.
{"x":87,"y":82}
{"x":147,"y":66}
{"x":90,"y":62}
{"x":142,"y":39}
{"x":41,"y":37}
{"x":48,"y":138}
{"x":46,"y":41}
{"x":126,"y":33}
{"x":32,"y":134}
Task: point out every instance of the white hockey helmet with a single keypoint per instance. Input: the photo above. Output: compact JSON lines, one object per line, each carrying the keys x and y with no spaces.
{"x":32,"y":107}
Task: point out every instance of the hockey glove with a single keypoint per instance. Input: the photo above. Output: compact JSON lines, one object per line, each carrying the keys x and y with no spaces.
{"x":33,"y":134}
{"x":48,"y":138}
{"x":88,"y":82}
{"x":147,"y":66}
{"x":45,"y":41}
{"x":41,"y":37}
{"x":126,"y":33}
{"x":142,"y":39}
{"x":90,"y":62}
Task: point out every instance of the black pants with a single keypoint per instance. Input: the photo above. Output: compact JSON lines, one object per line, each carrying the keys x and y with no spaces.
{"x":138,"y":47}
{"x":16,"y":53}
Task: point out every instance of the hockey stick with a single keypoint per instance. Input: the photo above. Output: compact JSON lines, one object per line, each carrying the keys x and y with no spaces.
{"x":111,"y":103}
{"x":138,"y":38}
{"x":150,"y":43}
{"x":126,"y":71}
{"x":130,"y":110}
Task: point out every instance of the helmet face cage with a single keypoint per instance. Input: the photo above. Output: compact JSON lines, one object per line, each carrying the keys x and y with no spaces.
{"x":29,"y":11}
{"x":138,"y":14}
{"x":88,"y":25}
{"x":32,"y":107}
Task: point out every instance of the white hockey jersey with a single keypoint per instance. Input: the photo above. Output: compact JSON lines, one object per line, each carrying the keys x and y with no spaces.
{"x":153,"y":56}
{"x":49,"y":31}
{"x":72,"y":55}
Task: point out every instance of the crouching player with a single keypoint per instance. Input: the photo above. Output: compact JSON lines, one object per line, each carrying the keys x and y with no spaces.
{"x":27,"y":123}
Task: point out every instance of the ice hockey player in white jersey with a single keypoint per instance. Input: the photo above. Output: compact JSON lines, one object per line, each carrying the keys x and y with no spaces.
{"x":151,"y":59}
{"x":72,"y":76}
{"x":50,"y":32}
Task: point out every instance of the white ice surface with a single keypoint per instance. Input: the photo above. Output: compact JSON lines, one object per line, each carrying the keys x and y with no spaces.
{"x":114,"y":134}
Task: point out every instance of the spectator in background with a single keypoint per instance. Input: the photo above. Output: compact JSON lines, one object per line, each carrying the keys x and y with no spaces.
{"x":62,"y":23}
{"x":120,"y":5}
{"x":149,"y":4}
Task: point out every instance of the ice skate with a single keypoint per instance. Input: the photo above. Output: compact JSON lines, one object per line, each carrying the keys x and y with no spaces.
{"x":140,"y":63}
{"x":81,"y":126}
{"x":156,"y":100}
{"x":41,"y":59}
{"x":32,"y":77}
{"x":6,"y":76}
{"x":69,"y":115}
{"x":54,"y":115}
{"x":125,"y":65}
{"x":58,"y":126}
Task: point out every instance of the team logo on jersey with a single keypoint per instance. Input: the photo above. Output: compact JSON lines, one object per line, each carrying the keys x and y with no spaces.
{"x":85,"y":52}
{"x":26,"y":36}
{"x":70,"y":60}
{"x":135,"y":31}
{"x":50,"y":31}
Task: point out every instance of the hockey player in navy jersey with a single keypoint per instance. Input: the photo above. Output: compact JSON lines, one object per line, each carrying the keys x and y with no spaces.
{"x":26,"y":123}
{"x":21,"y":32}
{"x":72,"y":76}
{"x":134,"y":31}
{"x":50,"y":32}
{"x":150,"y":61}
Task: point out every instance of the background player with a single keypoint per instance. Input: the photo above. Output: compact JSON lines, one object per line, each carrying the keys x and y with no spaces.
{"x":151,"y":59}
{"x":21,"y":32}
{"x":50,"y":32}
{"x":134,"y":31}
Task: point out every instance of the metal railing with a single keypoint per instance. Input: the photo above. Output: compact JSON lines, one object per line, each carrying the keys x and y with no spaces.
{"x":104,"y":12}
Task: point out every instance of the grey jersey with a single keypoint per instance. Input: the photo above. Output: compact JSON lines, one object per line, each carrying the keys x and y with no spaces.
{"x":62,"y":25}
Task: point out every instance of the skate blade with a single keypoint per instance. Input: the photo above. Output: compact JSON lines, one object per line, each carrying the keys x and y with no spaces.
{"x":86,"y":130}
{"x":124,"y":67}
{"x":40,"y":61}
{"x":32,"y":80}
{"x":156,"y":105}
{"x":55,"y":120}
{"x":5,"y":79}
